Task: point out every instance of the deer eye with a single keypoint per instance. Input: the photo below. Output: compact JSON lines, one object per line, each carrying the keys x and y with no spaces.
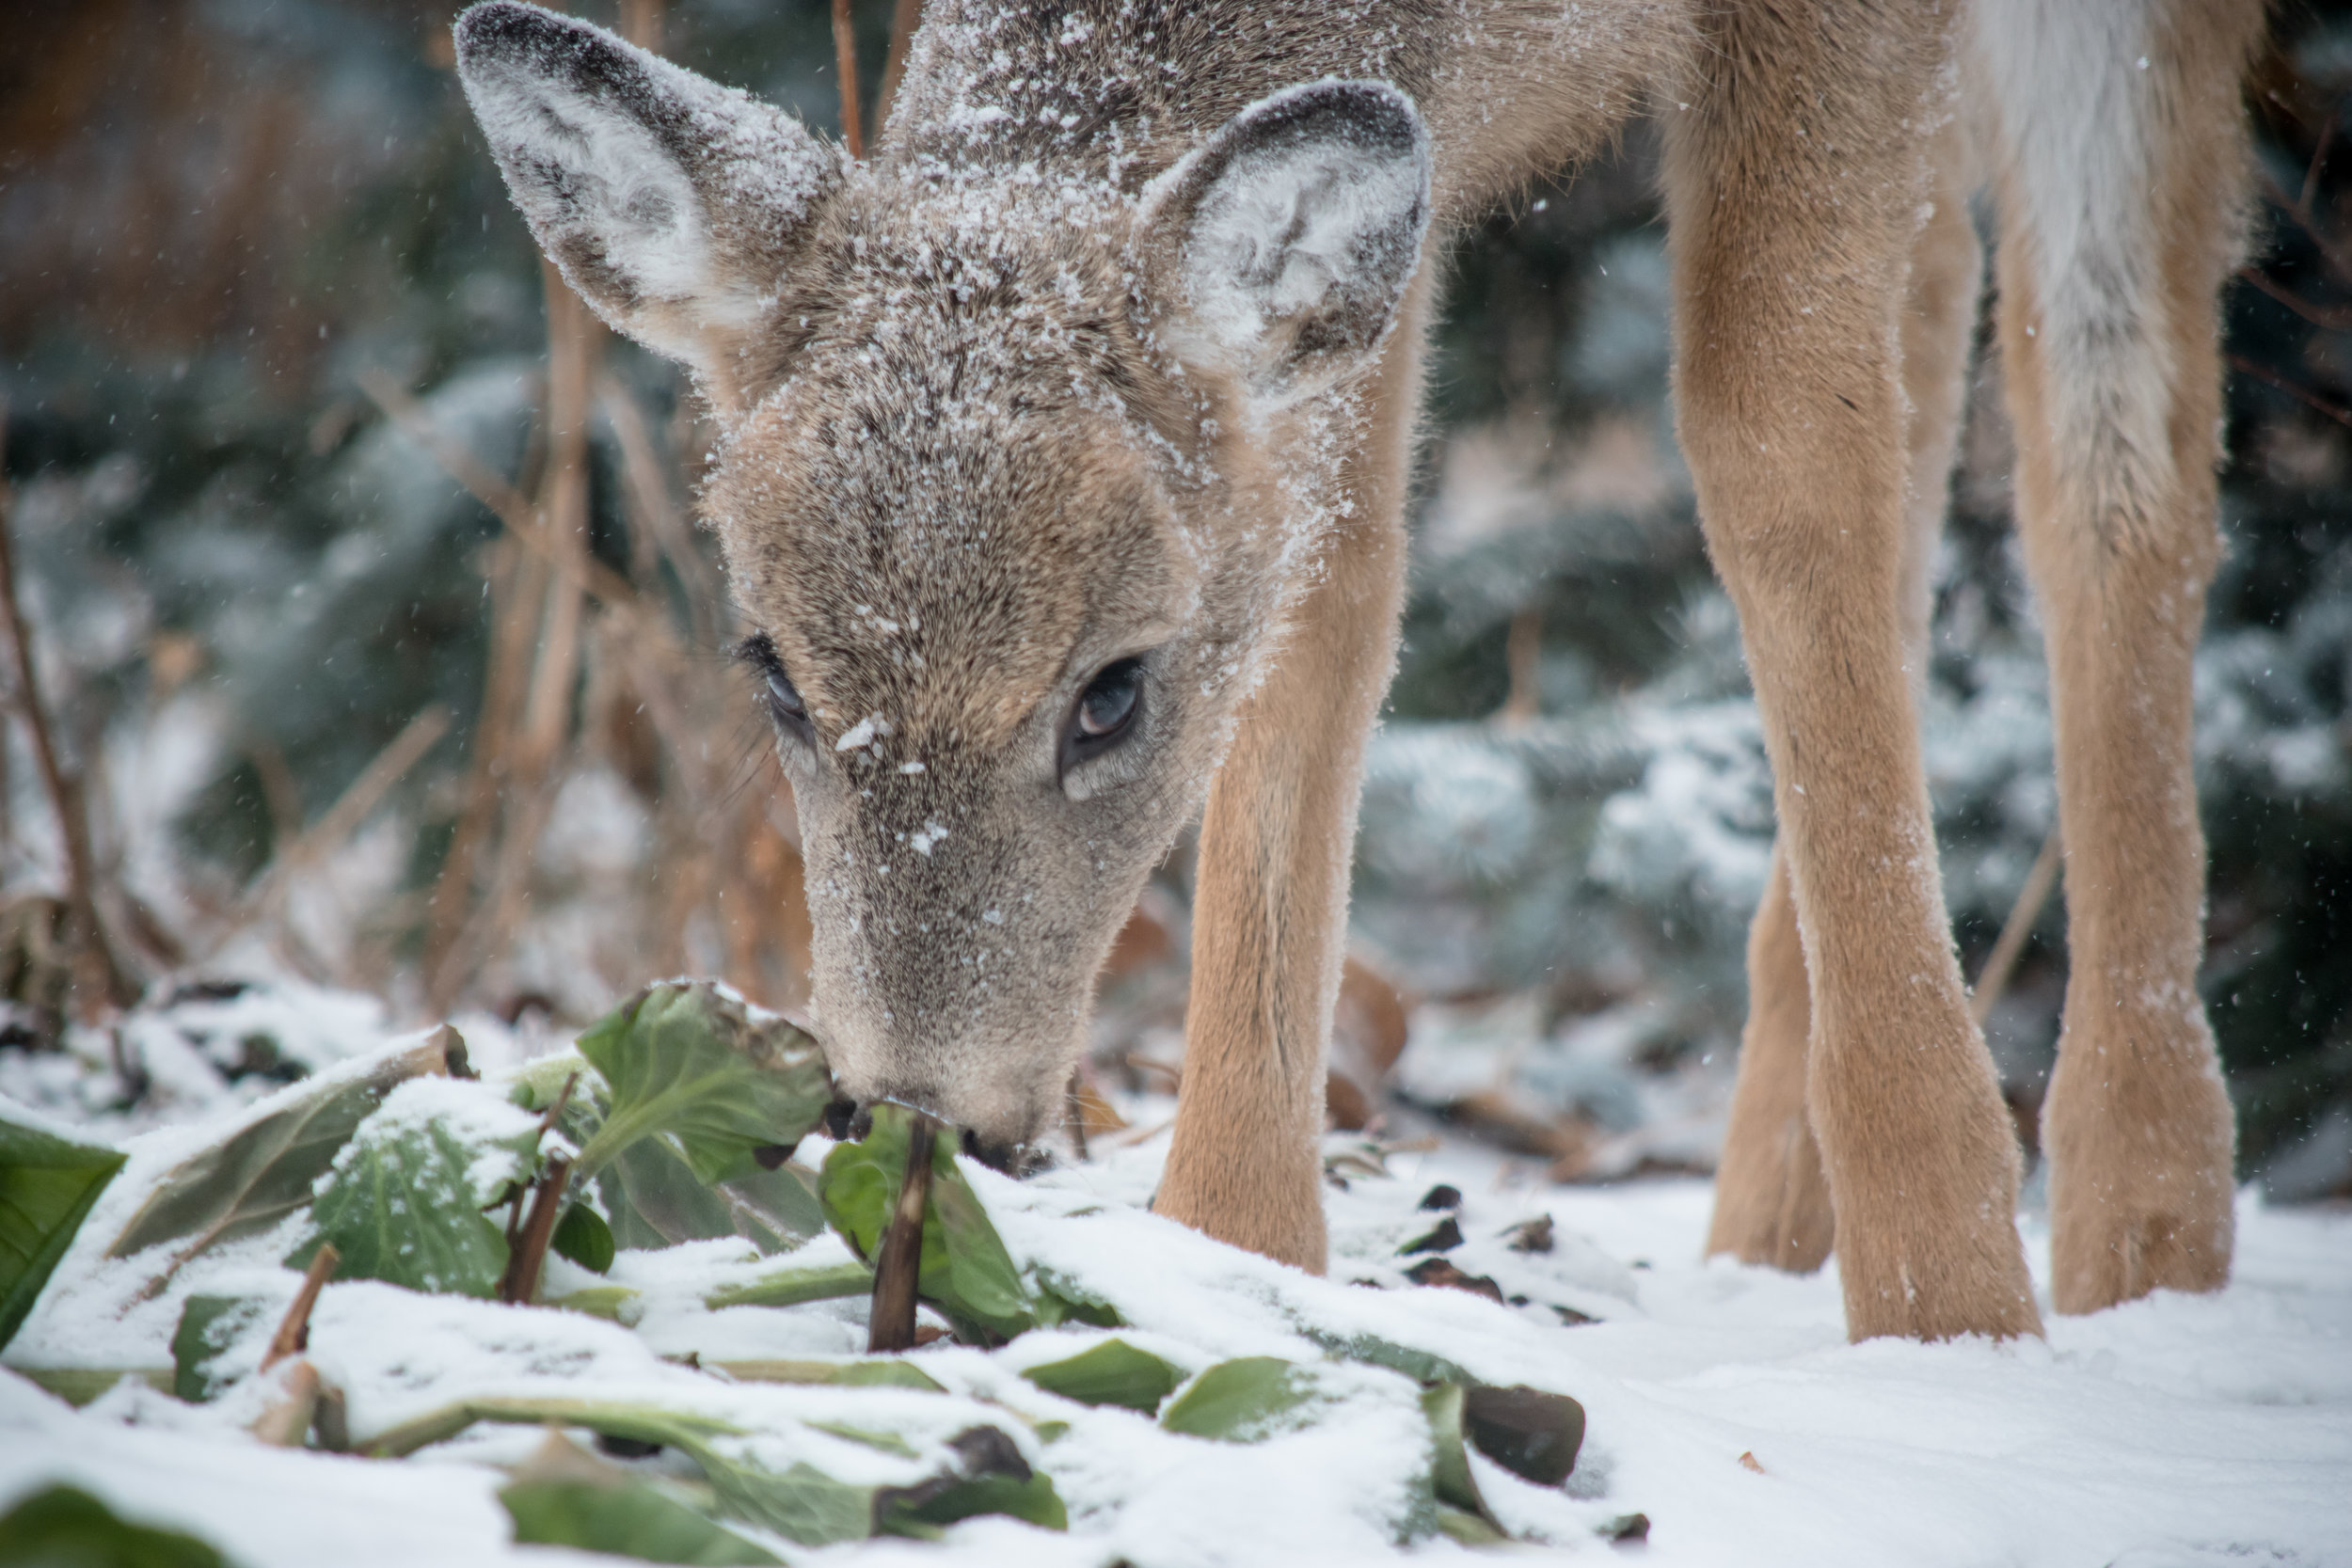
{"x":1104,"y":713}
{"x":783,"y":698}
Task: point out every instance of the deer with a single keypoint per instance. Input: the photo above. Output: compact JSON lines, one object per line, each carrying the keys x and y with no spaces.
{"x":1065,"y":447}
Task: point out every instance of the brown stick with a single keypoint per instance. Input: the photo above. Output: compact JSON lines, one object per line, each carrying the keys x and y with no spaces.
{"x":519,"y":1285}
{"x":1522,"y":652}
{"x":845,"y":64}
{"x":2011,"y":944}
{"x":904,"y":19}
{"x":2318,"y":315}
{"x":97,"y":970}
{"x":899,"y":1262}
{"x":641,"y":23}
{"x":294,"y":1330}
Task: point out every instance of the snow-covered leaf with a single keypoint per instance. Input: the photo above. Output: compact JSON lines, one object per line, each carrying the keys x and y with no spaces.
{"x":47,"y":1186}
{"x":986,"y":1475}
{"x":208,"y":1324}
{"x":402,"y":1202}
{"x":1247,"y":1399}
{"x":265,"y":1166}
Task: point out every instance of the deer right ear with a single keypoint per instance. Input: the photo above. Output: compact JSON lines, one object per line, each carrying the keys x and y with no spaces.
{"x":671,"y":203}
{"x":1283,"y":244}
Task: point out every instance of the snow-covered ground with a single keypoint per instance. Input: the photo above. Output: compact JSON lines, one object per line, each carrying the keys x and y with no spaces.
{"x":1723,"y":1404}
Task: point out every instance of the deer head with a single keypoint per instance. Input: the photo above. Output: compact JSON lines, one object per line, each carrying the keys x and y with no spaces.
{"x":1023,"y":461}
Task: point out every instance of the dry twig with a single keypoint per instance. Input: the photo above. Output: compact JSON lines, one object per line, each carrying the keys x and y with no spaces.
{"x":904,"y":19}
{"x":294,"y":1330}
{"x":845,"y":65}
{"x":2011,"y":944}
{"x":98,"y":973}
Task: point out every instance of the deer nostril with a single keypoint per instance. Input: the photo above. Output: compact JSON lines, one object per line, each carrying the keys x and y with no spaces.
{"x":838,"y":1117}
{"x":1011,"y":1158}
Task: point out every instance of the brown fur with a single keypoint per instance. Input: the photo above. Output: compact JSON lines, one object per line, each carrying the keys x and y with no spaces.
{"x":992,"y":427}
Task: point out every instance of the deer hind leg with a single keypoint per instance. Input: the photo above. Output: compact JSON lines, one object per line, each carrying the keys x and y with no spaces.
{"x":1772,"y":1197}
{"x":2119,"y":199}
{"x":1795,"y":181}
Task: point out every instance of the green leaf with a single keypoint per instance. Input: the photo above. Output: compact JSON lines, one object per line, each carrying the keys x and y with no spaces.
{"x":402,"y":1201}
{"x":793,"y":1285}
{"x":876,"y":1373}
{"x":583,"y":1236}
{"x":655,"y":1199}
{"x":63,"y":1526}
{"x":265,"y":1167}
{"x":1248,"y":1399}
{"x":1112,"y":1372}
{"x":47,"y":1186}
{"x":965,"y":1269}
{"x":1422,"y":1365}
{"x":801,"y":1504}
{"x":631,"y":1519}
{"x":1459,"y":1524}
{"x":1031,"y":1498}
{"x":689,"y":1061}
{"x":1450,"y":1471}
{"x":208,"y":1326}
{"x":78,"y":1386}
{"x":988,"y":1476}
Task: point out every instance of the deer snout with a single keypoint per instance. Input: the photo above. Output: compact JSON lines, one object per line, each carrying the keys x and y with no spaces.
{"x":1014,"y":1156}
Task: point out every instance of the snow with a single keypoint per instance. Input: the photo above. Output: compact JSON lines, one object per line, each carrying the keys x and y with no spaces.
{"x":1724,"y":1402}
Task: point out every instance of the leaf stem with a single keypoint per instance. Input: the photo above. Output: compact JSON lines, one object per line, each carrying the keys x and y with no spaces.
{"x":519,"y":1284}
{"x":899,"y":1259}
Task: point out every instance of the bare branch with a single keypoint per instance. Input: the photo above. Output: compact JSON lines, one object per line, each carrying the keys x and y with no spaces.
{"x":294,"y":1330}
{"x":2011,"y":944}
{"x":97,"y":972}
{"x":2301,"y":394}
{"x":904,"y":19}
{"x":845,"y":65}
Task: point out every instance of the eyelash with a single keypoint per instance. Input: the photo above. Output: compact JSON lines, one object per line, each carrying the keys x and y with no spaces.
{"x":783,"y":699}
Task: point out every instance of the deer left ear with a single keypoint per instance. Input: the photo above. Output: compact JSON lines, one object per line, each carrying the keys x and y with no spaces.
{"x":1283,"y":244}
{"x":671,"y":203}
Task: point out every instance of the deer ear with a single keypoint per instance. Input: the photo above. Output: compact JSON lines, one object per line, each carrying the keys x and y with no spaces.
{"x":1287,"y":239}
{"x":671,"y":203}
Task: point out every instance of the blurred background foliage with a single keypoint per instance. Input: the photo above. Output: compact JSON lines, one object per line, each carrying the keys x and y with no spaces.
{"x":369,"y":620}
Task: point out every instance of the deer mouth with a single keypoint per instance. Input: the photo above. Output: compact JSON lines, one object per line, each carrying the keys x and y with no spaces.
{"x":850,"y":1120}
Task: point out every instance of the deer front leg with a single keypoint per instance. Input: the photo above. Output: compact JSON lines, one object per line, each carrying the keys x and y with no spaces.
{"x":1794,"y":194}
{"x":1270,"y":900}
